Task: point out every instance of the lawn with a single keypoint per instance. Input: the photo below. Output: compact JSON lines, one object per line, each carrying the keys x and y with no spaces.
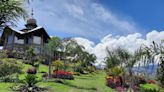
{"x":83,"y":83}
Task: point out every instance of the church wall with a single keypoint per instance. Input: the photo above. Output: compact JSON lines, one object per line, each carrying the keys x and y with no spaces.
{"x":19,"y":41}
{"x":37,"y":40}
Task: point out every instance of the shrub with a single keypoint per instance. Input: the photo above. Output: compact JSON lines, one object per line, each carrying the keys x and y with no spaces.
{"x":58,"y":64}
{"x":36,"y":64}
{"x":9,"y":67}
{"x":62,"y":75}
{"x":121,"y":89}
{"x":32,"y":70}
{"x":30,"y":80}
{"x":151,"y":81}
{"x":142,"y":80}
{"x":3,"y":54}
{"x":29,"y":85}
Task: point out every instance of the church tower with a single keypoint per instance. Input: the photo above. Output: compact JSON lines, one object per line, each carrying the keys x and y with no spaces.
{"x":31,"y":22}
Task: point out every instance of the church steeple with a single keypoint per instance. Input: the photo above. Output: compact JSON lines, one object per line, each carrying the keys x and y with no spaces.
{"x":31,"y":22}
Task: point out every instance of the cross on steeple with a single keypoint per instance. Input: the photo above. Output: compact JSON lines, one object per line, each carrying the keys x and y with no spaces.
{"x":32,"y":13}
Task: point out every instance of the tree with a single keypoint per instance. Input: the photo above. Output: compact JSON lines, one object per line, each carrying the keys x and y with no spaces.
{"x":30,"y":54}
{"x":71,"y":50}
{"x":125,"y":60}
{"x":10,"y":12}
{"x":149,"y":53}
{"x":111,"y":59}
{"x":54,"y":44}
{"x":58,"y":64}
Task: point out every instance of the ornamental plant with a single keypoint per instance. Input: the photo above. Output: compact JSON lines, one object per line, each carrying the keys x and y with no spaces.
{"x":32,"y":70}
{"x":61,"y":74}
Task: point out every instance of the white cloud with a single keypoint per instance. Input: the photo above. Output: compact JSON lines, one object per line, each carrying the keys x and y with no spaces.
{"x":84,"y":18}
{"x":130,"y":42}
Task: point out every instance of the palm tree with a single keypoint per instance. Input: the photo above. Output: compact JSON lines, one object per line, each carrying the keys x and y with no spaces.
{"x":124,"y":59}
{"x":111,"y":59}
{"x":72,"y":49}
{"x":10,"y":12}
{"x":148,"y":56}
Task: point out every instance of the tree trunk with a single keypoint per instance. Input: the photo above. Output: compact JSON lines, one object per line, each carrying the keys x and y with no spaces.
{"x":49,"y":66}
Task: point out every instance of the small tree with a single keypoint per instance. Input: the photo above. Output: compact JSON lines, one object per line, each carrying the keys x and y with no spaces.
{"x":58,"y":64}
{"x":54,"y":44}
{"x":30,"y":54}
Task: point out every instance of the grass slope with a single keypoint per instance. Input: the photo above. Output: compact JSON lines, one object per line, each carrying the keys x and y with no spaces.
{"x":84,"y":83}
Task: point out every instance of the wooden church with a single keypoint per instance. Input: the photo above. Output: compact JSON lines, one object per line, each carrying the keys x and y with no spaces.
{"x":20,"y":40}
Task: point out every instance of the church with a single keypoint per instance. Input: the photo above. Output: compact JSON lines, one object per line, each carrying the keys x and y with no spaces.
{"x":19,"y":40}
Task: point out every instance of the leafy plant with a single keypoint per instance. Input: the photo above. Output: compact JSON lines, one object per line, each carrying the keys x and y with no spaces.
{"x":3,"y":54}
{"x":30,"y":80}
{"x":32,"y":70}
{"x":9,"y":67}
{"x":10,"y":12}
{"x":58,"y":64}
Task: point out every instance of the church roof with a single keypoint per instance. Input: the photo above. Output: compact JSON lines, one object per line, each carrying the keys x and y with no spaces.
{"x":25,"y":32}
{"x":37,"y":29}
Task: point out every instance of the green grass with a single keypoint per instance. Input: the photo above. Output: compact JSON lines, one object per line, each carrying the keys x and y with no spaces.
{"x":83,"y":83}
{"x":152,"y":86}
{"x":5,"y":87}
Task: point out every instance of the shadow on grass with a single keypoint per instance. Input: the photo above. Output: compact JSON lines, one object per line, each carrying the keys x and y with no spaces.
{"x":78,"y":87}
{"x":86,"y":78}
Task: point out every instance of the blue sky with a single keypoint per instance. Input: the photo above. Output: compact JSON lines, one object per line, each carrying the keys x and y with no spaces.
{"x":95,"y":19}
{"x":147,"y":13}
{"x":101,"y":24}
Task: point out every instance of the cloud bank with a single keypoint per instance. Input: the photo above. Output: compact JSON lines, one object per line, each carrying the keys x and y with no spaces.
{"x":130,"y":42}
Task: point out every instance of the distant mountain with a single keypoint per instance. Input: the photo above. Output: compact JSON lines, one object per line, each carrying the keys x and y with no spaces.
{"x":150,"y":69}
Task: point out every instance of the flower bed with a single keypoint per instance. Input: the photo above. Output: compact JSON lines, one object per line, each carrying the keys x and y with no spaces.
{"x":115,"y":83}
{"x":31,"y":70}
{"x":62,"y":75}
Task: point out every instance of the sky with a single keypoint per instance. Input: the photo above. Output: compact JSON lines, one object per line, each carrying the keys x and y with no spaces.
{"x":101,"y":24}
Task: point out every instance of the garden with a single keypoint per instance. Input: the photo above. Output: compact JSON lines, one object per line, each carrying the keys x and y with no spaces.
{"x":66,"y":66}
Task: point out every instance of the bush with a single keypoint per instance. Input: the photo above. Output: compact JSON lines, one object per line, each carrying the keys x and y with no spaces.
{"x":9,"y":67}
{"x":142,"y":81}
{"x":32,"y":70}
{"x":149,"y":88}
{"x":3,"y":54}
{"x":30,"y":80}
{"x":29,"y":85}
{"x":58,"y":64}
{"x":62,"y":75}
{"x":36,"y":64}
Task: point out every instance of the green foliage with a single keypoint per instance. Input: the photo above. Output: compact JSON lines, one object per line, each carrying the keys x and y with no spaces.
{"x":58,"y":64}
{"x":30,"y":80}
{"x":30,"y":53}
{"x":9,"y":67}
{"x":3,"y":54}
{"x":11,"y":11}
{"x":116,"y":71}
{"x":150,"y":52}
{"x":160,"y":71}
{"x":149,"y":88}
{"x":112,"y":59}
